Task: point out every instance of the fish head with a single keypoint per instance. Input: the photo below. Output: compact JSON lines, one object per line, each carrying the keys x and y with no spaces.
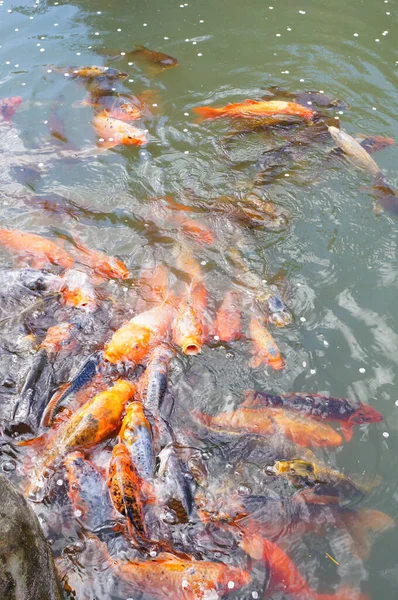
{"x":138,"y":138}
{"x":301,"y":469}
{"x":113,"y":267}
{"x":365,"y":414}
{"x":191,"y":346}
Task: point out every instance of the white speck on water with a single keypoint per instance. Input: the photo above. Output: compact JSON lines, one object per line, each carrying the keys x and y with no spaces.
{"x":355,"y":35}
{"x":16,"y":66}
{"x":40,"y":164}
{"x":200,"y":54}
{"x":186,"y":151}
{"x":22,"y":84}
{"x":186,"y":114}
{"x":302,"y":12}
{"x":42,"y":49}
{"x":187,"y":40}
{"x":386,"y":434}
{"x":145,"y":24}
{"x":303,"y":319}
{"x":231,"y":585}
{"x":89,"y":47}
{"x":384,"y":32}
{"x":341,"y":112}
{"x":302,"y":80}
{"x":155,"y":105}
{"x":388,"y":14}
{"x":271,"y":7}
{"x":110,"y":139}
{"x":201,"y":21}
{"x":113,"y":89}
{"x":325,"y":343}
{"x":362,"y":370}
{"x":119,"y":29}
{"x":298,"y":284}
{"x":96,"y":33}
{"x":56,"y":24}
{"x":304,"y":363}
{"x":309,"y":102}
{"x":60,"y":481}
{"x":76,"y":71}
{"x":185,"y":130}
{"x":38,"y":44}
{"x":278,"y":35}
{"x":321,"y":92}
{"x":49,"y":70}
{"x":312,"y":371}
{"x":9,"y":10}
{"x":43,"y":37}
{"x":122,"y":54}
{"x":396,"y":402}
{"x":45,"y":122}
{"x":129,"y":64}
{"x":78,"y":513}
{"x":31,"y":18}
{"x":78,"y":53}
{"x":287,"y":175}
{"x":101,"y":140}
{"x":377,"y":40}
{"x":98,"y":12}
{"x":166,"y":38}
{"x":264,"y":281}
{"x":131,"y":80}
{"x":203,"y":262}
{"x":374,"y":108}
{"x":194,"y":43}
{"x":66,"y":74}
{"x":255,"y":595}
{"x":288,"y":28}
{"x":337,"y":118}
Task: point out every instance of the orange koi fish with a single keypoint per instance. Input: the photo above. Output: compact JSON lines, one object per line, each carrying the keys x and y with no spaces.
{"x":136,"y":435}
{"x":38,"y":251}
{"x":284,"y":575}
{"x":134,"y":339}
{"x":255,"y":108}
{"x":265,"y":349}
{"x":9,"y":106}
{"x":189,"y":326}
{"x":99,"y":418}
{"x":103,"y":265}
{"x":239,"y":421}
{"x":121,"y":106}
{"x":179,"y":578}
{"x":91,"y":72}
{"x":114,"y":132}
{"x":228,"y":324}
{"x":57,"y":337}
{"x":78,"y":291}
{"x":125,"y":490}
{"x":194,"y":229}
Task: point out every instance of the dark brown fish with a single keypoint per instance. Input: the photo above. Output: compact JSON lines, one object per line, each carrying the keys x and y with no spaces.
{"x":307,"y":98}
{"x":158,"y":61}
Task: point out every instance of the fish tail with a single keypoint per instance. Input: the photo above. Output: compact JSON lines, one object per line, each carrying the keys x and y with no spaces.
{"x":347,"y":431}
{"x":53,"y":406}
{"x":207,"y":112}
{"x":365,"y":527}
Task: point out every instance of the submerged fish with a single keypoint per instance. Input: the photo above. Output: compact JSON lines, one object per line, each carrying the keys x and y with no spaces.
{"x":114,"y":132}
{"x":159,"y":60}
{"x":307,"y":98}
{"x":152,"y":385}
{"x":88,"y":492}
{"x":355,"y":153}
{"x":125,"y":490}
{"x":91,"y":72}
{"x":285,"y":576}
{"x":254,"y":108}
{"x":265,"y":349}
{"x":19,"y":282}
{"x":38,"y":251}
{"x":57,"y":337}
{"x":325,"y":483}
{"x":323,"y":408}
{"x":136,"y":435}
{"x":228,"y":322}
{"x":78,"y":290}
{"x":94,"y":422}
{"x":104,"y":265}
{"x":120,"y":106}
{"x":9,"y":106}
{"x":189,"y":330}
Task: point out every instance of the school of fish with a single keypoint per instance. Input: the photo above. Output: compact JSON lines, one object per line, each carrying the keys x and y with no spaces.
{"x":153,"y":518}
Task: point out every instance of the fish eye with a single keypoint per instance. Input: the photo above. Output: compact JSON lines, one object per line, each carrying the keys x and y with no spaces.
{"x":309,"y":468}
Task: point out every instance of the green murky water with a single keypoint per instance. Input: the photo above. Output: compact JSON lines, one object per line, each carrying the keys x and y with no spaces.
{"x":338,"y":256}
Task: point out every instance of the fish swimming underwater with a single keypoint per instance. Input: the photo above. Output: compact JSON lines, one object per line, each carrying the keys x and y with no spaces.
{"x":158,"y":61}
{"x":102,"y":264}
{"x":315,"y":406}
{"x":228,"y":322}
{"x":355,"y":153}
{"x":39,"y":252}
{"x":91,"y":72}
{"x":136,"y":434}
{"x":114,"y":132}
{"x":189,"y":327}
{"x":264,"y":349}
{"x":9,"y":106}
{"x":254,"y":108}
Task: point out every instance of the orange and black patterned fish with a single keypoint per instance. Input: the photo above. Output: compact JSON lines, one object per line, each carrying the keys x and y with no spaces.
{"x":125,"y":487}
{"x":315,"y":406}
{"x":136,"y":435}
{"x":94,"y":422}
{"x":152,"y":385}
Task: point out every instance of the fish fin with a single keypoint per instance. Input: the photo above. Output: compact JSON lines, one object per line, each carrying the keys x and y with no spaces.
{"x":36,"y":442}
{"x":347,"y":431}
{"x":309,"y":496}
{"x":199,"y":232}
{"x":52,"y":407}
{"x":207,"y":112}
{"x":365,"y":527}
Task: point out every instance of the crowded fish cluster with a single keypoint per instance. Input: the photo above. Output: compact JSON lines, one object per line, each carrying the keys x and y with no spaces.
{"x":99,"y":446}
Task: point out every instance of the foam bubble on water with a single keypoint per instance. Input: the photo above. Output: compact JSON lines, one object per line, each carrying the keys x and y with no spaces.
{"x":362,"y":370}
{"x":187,"y":40}
{"x":16,"y":29}
{"x":325,"y":343}
{"x":166,"y":38}
{"x":231,"y":585}
{"x":78,"y":513}
{"x":60,"y":482}
{"x":101,"y":140}
{"x":98,"y":12}
{"x":386,"y":434}
{"x":145,"y":24}
{"x":312,"y":371}
{"x":194,"y":43}
{"x":201,"y":21}
{"x":186,"y":151}
{"x":384,"y":33}
{"x":200,"y":54}
{"x":302,"y":80}
{"x":49,"y":70}
{"x":40,"y":164}
{"x":56,"y":24}
{"x":42,"y":49}
{"x":96,"y":33}
{"x":23,"y":83}
{"x":304,"y":363}
{"x":302,"y":12}
{"x":185,"y":130}
{"x":255,"y":595}
{"x":186,"y":114}
{"x":303,"y":319}
{"x":355,"y":35}
{"x":278,"y":35}
{"x":288,"y":28}
{"x":118,"y":29}
{"x":131,"y":80}
{"x":217,"y":338}
{"x":377,"y":40}
{"x":374,"y":108}
{"x":122,"y":54}
{"x":78,"y":53}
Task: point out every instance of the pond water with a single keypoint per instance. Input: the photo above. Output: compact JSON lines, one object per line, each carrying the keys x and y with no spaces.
{"x":335,"y":262}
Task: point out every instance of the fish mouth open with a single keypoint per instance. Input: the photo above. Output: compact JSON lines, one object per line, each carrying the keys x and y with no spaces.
{"x":191,"y":347}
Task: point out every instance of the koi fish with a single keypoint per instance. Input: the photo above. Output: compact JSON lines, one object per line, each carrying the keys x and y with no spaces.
{"x":322,"y":408}
{"x":265,"y":349}
{"x":94,"y":422}
{"x":122,"y":107}
{"x":152,"y":385}
{"x":9,"y":106}
{"x":255,"y":108}
{"x":103,"y":265}
{"x":326,"y":484}
{"x":228,"y":322}
{"x":277,"y":312}
{"x":84,"y":375}
{"x":284,"y":575}
{"x":159,"y":61}
{"x":91,"y":72}
{"x":189,"y":326}
{"x":278,"y":517}
{"x":57,"y":337}
{"x":88,"y":492}
{"x":56,"y":125}
{"x":183,"y":579}
{"x":355,"y":153}
{"x":78,"y":291}
{"x":37,"y":250}
{"x":266,"y":421}
{"x":113,"y":132}
{"x":374,"y":143}
{"x":135,"y":338}
{"x":125,"y":491}
{"x":136,"y":435}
